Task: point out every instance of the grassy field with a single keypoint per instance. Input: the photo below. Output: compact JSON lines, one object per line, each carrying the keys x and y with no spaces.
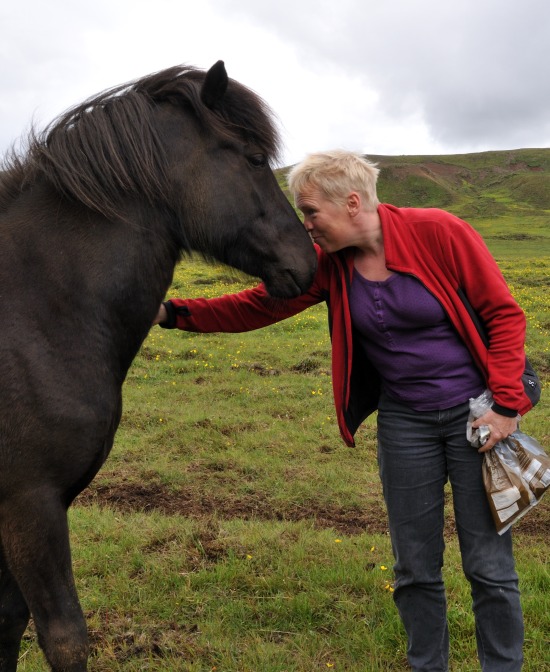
{"x":232,"y":530}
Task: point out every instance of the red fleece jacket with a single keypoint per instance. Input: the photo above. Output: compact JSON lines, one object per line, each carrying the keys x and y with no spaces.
{"x":447,"y":255}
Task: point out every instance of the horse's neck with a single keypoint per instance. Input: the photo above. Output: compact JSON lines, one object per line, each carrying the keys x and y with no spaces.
{"x":96,"y":279}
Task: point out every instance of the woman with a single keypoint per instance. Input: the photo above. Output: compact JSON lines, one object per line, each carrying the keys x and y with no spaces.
{"x":403,"y":343}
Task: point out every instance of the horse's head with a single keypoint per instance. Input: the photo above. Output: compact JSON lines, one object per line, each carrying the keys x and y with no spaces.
{"x":195,"y":148}
{"x":229,"y":203}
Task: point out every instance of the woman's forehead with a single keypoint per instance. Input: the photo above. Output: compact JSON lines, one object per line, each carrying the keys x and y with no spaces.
{"x":308,"y":194}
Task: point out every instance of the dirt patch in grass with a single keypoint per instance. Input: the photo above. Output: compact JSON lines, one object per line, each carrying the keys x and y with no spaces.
{"x":515,"y":236}
{"x":130,"y":497}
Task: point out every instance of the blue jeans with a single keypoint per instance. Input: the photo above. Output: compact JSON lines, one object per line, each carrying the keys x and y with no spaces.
{"x":417,"y":452}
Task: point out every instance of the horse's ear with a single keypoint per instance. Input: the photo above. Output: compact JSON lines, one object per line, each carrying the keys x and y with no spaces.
{"x":215,"y":85}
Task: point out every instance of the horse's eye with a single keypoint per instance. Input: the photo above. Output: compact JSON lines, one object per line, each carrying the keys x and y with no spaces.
{"x":257,"y":160}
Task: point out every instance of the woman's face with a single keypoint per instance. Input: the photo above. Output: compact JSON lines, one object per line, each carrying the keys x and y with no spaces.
{"x":328,"y":223}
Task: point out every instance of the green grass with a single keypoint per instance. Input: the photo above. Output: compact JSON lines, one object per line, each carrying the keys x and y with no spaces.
{"x":232,"y":530}
{"x":172,"y":593}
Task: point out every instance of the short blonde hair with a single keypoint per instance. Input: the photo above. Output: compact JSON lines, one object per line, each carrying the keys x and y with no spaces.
{"x":336,"y":173}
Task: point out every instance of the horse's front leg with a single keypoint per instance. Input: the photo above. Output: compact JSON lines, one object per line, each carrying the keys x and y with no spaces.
{"x":14,"y":616}
{"x":35,"y":538}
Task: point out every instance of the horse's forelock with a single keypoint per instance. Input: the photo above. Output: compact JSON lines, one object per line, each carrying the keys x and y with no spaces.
{"x":251,"y":117}
{"x":241,"y":112}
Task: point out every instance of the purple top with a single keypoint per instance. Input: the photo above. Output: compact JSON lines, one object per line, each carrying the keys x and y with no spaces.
{"x":408,"y":337}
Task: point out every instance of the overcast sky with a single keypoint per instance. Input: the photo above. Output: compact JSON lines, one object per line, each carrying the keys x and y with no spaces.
{"x":375,"y":76}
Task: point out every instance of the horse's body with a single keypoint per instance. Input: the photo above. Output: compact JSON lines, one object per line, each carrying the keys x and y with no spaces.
{"x":93,"y":218}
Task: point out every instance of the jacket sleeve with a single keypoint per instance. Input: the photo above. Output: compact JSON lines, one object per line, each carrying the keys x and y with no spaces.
{"x":485,"y":287}
{"x":243,"y":311}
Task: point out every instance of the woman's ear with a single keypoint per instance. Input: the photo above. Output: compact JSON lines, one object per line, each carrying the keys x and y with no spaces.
{"x":353,"y":203}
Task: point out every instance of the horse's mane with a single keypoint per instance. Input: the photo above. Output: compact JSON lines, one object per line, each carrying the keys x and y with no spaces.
{"x":108,"y":145}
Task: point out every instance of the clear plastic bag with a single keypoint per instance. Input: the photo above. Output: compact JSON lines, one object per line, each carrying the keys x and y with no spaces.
{"x":516,"y":471}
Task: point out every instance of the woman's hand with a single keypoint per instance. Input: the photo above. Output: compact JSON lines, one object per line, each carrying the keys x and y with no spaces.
{"x":500,"y":427}
{"x":162,"y":315}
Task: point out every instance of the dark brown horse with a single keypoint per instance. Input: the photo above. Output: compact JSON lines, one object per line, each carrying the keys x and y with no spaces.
{"x":94,"y":216}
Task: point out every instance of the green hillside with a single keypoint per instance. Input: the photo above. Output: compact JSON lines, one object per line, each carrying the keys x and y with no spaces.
{"x":473,"y":185}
